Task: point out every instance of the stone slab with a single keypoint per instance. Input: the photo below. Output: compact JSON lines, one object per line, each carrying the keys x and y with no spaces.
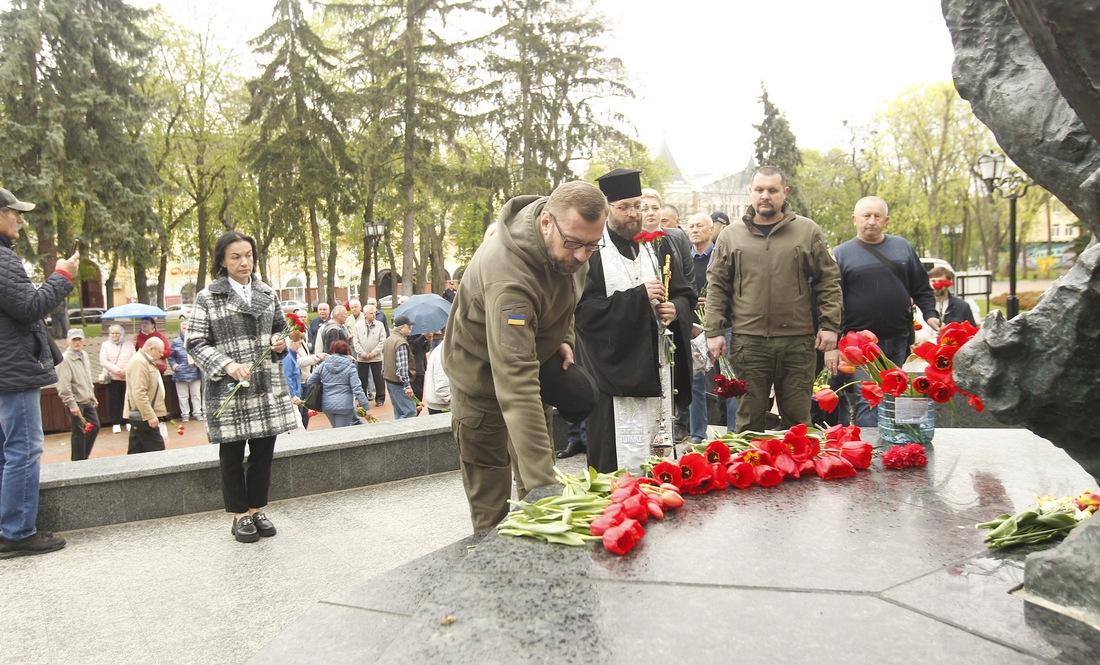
{"x":519,"y":619}
{"x":883,"y":567}
{"x":111,"y":490}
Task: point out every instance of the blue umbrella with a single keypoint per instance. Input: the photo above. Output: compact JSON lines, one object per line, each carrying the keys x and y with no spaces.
{"x":134,"y":310}
{"x":428,"y":312}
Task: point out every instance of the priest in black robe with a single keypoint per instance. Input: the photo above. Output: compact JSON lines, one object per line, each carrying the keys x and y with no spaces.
{"x":620,"y":342}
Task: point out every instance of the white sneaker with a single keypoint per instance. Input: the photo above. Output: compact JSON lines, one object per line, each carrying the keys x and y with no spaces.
{"x":117,"y":429}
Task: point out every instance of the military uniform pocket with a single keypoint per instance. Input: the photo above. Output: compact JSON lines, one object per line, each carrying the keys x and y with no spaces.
{"x":516,"y":328}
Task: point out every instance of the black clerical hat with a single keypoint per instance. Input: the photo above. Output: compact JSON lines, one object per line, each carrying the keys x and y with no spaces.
{"x":621,"y":184}
{"x":572,"y":391}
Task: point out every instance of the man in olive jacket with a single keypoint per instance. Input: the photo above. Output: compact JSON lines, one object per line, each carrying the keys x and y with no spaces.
{"x":761,"y":276}
{"x":26,"y":364}
{"x":509,"y":345}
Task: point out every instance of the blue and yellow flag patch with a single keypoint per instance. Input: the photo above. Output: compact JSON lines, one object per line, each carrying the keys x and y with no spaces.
{"x":517,"y":319}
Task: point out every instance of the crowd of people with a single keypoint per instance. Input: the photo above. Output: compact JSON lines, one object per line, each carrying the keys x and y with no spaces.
{"x":592,"y":300}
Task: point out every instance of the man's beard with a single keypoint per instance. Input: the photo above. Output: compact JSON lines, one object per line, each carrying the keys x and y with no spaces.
{"x":619,"y":227}
{"x":768,"y":214}
{"x":563,"y":267}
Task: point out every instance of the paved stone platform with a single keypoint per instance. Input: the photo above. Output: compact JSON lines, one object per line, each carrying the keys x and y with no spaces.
{"x":886,"y":567}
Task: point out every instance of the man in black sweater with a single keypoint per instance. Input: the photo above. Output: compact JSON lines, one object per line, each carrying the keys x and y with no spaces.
{"x":880,"y":276}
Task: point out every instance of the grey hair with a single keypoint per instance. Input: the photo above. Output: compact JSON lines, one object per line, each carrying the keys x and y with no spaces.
{"x":117,"y":327}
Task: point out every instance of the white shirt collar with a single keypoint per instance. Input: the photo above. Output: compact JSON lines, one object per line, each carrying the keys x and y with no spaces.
{"x":243,"y":290}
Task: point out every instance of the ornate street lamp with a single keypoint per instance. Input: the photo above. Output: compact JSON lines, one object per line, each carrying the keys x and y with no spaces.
{"x":991,"y":168}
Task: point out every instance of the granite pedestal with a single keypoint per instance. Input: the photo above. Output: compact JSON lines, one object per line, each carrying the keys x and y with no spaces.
{"x":885,"y":567}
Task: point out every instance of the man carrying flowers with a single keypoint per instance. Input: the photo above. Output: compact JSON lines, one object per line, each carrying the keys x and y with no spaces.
{"x":509,"y":349}
{"x":880,"y":275}
{"x":760,"y":280}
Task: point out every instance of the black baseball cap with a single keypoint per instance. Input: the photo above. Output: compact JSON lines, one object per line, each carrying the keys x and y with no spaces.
{"x":8,"y":200}
{"x":720,"y":217}
{"x":401,"y":320}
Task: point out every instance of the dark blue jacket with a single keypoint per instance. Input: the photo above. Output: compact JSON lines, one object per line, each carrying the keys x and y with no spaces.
{"x":182,"y":372}
{"x":25,"y":358}
{"x":340,"y":384}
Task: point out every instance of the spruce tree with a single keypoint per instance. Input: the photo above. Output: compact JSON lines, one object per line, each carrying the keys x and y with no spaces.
{"x":73,"y":114}
{"x":777,"y":146}
{"x":299,"y":155}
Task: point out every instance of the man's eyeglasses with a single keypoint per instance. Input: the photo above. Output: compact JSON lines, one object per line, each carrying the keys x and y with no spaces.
{"x":637,"y":207}
{"x":574,"y":244}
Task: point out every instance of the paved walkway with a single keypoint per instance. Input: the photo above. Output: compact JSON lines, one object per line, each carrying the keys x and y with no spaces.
{"x":182,"y":590}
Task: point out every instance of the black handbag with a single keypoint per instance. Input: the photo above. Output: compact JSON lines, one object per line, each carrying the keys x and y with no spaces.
{"x":55,"y":350}
{"x":314,"y":394}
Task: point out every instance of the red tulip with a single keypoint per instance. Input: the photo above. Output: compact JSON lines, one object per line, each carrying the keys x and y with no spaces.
{"x":941,"y":392}
{"x":838,"y":434}
{"x":845,"y":368}
{"x":768,"y":476}
{"x":603,"y":523}
{"x":957,"y":334}
{"x":831,"y":466}
{"x":636,"y":508}
{"x":781,"y":457}
{"x":671,"y":500}
{"x":719,"y":480}
{"x":717,"y":453}
{"x":976,"y":402}
{"x":654,"y":507}
{"x":827,"y":399}
{"x":740,"y":474}
{"x":858,"y":453}
{"x":922,"y":384}
{"x":872,"y":393}
{"x":894,"y":381}
{"x":695,"y":472}
{"x":621,"y":538}
{"x":755,"y":456}
{"x":669,"y":473}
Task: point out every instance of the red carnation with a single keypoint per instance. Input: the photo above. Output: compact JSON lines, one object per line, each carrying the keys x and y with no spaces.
{"x":88,"y":428}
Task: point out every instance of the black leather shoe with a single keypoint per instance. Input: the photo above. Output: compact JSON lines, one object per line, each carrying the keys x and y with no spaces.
{"x":264,"y":527}
{"x":379,"y":402}
{"x":574,"y":448}
{"x":244,"y":530}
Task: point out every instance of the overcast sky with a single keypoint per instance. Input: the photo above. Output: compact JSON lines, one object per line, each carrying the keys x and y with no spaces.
{"x":697,"y":65}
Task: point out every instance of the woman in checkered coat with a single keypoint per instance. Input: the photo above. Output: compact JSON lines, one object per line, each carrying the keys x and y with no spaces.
{"x":235,"y":319}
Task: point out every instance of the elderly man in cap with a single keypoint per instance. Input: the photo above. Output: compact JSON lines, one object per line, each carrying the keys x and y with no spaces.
{"x":508,"y":351}
{"x":397,"y":368}
{"x":26,"y":364}
{"x":620,"y":342}
{"x":75,"y":388}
